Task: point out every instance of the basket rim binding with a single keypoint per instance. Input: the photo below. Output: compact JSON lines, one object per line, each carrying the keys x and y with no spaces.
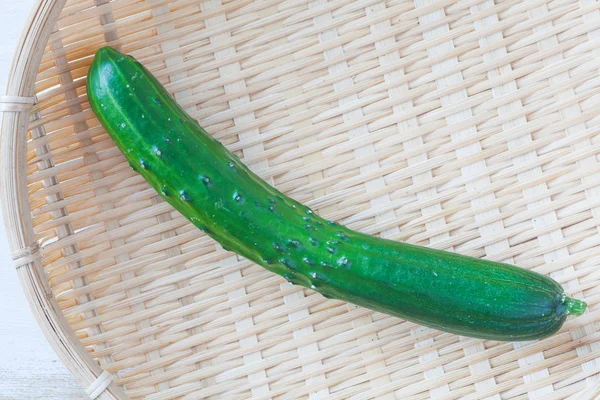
{"x":14,"y":120}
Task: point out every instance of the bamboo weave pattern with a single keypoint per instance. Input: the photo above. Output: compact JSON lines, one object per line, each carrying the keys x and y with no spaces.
{"x":471,"y":126}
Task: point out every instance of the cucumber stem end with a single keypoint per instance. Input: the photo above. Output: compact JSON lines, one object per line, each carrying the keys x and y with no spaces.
{"x":574,"y":306}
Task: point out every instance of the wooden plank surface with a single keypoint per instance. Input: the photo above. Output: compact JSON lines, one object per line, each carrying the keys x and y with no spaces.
{"x":29,"y":368}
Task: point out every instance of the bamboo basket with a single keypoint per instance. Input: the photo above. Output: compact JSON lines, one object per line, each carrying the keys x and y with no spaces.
{"x":471,"y":126}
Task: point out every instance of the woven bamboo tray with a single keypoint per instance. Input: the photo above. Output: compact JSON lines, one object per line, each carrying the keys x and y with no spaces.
{"x":471,"y":126}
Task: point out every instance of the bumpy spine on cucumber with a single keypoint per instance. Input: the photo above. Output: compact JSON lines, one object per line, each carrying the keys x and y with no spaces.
{"x":213,"y":189}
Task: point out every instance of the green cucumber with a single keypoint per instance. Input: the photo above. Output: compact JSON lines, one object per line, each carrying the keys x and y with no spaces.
{"x":213,"y":189}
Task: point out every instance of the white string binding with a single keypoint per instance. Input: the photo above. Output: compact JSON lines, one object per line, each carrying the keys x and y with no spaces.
{"x":16,"y":103}
{"x":99,"y":385}
{"x":26,"y":255}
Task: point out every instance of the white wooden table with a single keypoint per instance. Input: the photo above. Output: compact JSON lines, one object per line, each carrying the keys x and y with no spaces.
{"x":29,"y":368}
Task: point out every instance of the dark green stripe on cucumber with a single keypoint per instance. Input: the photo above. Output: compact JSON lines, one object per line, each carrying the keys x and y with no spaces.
{"x":212,"y":188}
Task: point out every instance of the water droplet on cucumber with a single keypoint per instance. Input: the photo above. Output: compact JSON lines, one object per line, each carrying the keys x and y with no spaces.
{"x":344,"y":262}
{"x":288,"y":263}
{"x":342,"y":236}
{"x":206,"y":180}
{"x":184,"y":196}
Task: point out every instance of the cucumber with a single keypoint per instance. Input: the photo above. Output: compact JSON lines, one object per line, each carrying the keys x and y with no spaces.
{"x":214,"y":190}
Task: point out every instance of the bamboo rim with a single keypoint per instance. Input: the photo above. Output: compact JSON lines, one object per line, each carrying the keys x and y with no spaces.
{"x":14,"y":122}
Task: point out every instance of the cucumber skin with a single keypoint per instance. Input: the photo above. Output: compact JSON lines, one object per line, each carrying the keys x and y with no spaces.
{"x":213,"y":189}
